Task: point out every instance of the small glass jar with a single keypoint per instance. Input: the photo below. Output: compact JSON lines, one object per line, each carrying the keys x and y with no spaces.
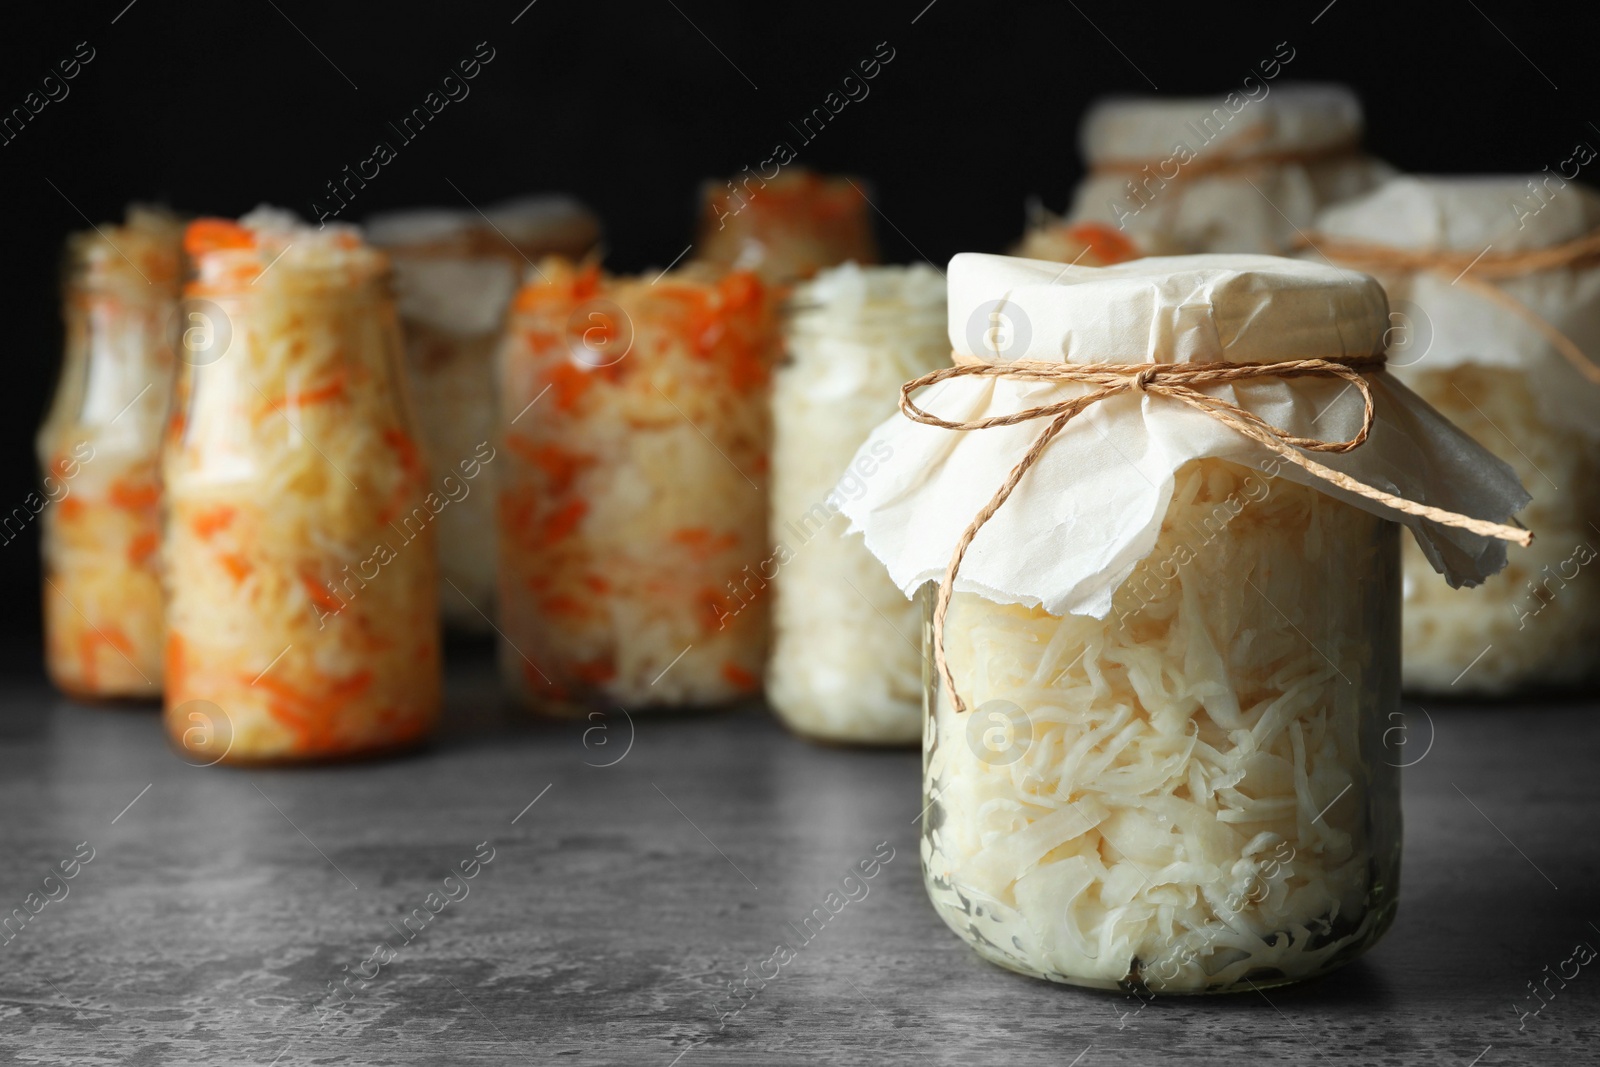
{"x":99,"y":449}
{"x":455,"y":273}
{"x":846,"y":665}
{"x":1476,"y":344}
{"x":1187,"y":796}
{"x":302,"y":611}
{"x":634,"y":560}
{"x":785,"y":228}
{"x":1084,"y":244}
{"x":1239,"y":173}
{"x":1536,"y":624}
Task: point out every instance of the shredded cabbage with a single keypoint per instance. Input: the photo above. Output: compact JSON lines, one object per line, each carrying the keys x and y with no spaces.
{"x":300,"y":535}
{"x":1185,"y":794}
{"x":98,"y":449}
{"x":633,"y":536}
{"x":845,"y":663}
{"x":1536,"y":623}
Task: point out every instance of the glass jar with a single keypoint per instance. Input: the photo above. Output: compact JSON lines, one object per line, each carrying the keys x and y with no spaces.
{"x":1239,"y":173}
{"x":455,"y":273}
{"x":99,"y":449}
{"x":1536,"y":624}
{"x":634,"y":560}
{"x":1482,"y":296}
{"x":845,"y":663}
{"x":785,"y":228}
{"x":302,"y":612}
{"x":1189,"y":795}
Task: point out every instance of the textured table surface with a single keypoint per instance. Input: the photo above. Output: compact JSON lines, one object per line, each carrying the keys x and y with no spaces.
{"x":224,"y":910}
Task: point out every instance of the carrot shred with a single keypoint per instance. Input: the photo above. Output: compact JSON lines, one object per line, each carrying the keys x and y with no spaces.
{"x":214,"y":235}
{"x":568,"y":384}
{"x":134,"y":496}
{"x":237,"y":566}
{"x":738,"y":677}
{"x":142,"y":547}
{"x":320,"y":594}
{"x":211,"y":521}
{"x":561,"y":522}
{"x":1109,"y":245}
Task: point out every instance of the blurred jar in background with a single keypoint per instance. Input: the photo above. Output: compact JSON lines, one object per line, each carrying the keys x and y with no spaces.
{"x":785,"y":228}
{"x":99,"y":449}
{"x":634,"y":560}
{"x":846,"y":660}
{"x":302,"y":611}
{"x":455,"y":273}
{"x":1234,"y":173}
{"x":1082,"y":244}
{"x":1494,"y":286}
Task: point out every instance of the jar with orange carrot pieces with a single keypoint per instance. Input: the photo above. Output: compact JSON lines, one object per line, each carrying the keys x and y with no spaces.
{"x":788,"y":227}
{"x":302,"y":613}
{"x":634,"y":560}
{"x":1084,"y":244}
{"x":99,"y":448}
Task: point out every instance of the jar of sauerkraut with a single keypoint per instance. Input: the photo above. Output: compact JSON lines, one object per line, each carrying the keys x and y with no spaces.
{"x":302,"y":611}
{"x":1153,"y":753}
{"x":634,"y":562}
{"x":99,"y":449}
{"x":1236,"y":173}
{"x":1497,"y":325}
{"x":455,"y":273}
{"x":846,"y":664}
{"x":787,"y":227}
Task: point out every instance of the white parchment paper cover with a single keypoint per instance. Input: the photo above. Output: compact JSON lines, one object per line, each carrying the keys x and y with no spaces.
{"x":1091,"y":508}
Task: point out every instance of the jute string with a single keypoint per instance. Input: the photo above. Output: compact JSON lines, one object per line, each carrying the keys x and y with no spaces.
{"x":1381,"y":259}
{"x":1233,"y":157}
{"x":1178,"y":381}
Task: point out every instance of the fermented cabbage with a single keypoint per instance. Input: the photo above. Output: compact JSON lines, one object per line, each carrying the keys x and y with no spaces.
{"x":785,"y":228}
{"x":303,"y":615}
{"x":1536,"y":623}
{"x":846,"y":664}
{"x":99,"y":450}
{"x":1085,"y":244}
{"x":634,"y":560}
{"x":1184,"y":795}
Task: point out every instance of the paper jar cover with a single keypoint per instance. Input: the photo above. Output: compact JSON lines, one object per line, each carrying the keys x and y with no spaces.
{"x":1092,"y":506}
{"x":1444,"y":324}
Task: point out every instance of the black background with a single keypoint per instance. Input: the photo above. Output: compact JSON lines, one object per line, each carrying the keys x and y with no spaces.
{"x":214,"y":107}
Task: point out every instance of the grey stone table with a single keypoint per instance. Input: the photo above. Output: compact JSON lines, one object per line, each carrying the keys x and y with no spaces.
{"x":225,"y":915}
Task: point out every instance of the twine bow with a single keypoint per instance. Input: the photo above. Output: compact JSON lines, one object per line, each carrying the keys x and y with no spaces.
{"x":1178,"y":381}
{"x":1581,"y":252}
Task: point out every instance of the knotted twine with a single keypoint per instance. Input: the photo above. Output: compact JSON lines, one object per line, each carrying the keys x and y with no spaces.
{"x":1579,"y":253}
{"x":1178,"y":381}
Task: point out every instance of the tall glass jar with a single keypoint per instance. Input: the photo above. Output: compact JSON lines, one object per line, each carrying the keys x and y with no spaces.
{"x":845,"y":664}
{"x":99,"y":449}
{"x":1238,"y":173}
{"x":455,"y":273}
{"x":785,"y":228}
{"x":302,"y":612}
{"x":633,"y":498}
{"x":1189,"y":795}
